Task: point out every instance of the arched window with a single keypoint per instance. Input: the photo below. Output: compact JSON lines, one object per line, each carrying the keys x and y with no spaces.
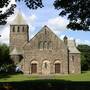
{"x":40,"y":45}
{"x":13,"y":29}
{"x":18,"y":29}
{"x":50,"y":45}
{"x":46,"y":65}
{"x":73,"y":58}
{"x":23,"y":29}
{"x":45,"y":45}
{"x":73,"y":65}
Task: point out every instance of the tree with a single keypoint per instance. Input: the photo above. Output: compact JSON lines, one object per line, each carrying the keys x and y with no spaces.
{"x":77,"y":11}
{"x":32,"y":4}
{"x":5,"y":61}
{"x":7,"y":13}
{"x":85,"y":56}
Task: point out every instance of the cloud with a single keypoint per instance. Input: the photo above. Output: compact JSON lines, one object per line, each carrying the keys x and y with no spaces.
{"x":4,"y":35}
{"x":57,"y":24}
{"x":69,"y":38}
{"x":32,"y":19}
{"x":78,"y":41}
{"x":5,"y":30}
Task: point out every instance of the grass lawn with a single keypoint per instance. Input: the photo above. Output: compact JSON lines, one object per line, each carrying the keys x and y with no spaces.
{"x":85,"y":76}
{"x":55,"y":82}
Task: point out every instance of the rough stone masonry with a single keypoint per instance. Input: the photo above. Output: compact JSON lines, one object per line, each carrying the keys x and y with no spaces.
{"x":45,"y":53}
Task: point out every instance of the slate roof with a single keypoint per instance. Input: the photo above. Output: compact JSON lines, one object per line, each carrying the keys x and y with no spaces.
{"x":19,"y":19}
{"x":15,"y":52}
{"x":72,"y":47}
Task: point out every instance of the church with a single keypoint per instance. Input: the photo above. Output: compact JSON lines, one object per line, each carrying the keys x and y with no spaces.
{"x":45,"y":53}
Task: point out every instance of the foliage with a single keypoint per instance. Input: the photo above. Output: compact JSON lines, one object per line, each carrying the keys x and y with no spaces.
{"x":4,"y":54}
{"x":6,"y":64}
{"x":7,"y":13}
{"x":78,"y":12}
{"x":4,"y":3}
{"x":32,"y":4}
{"x":85,"y":56}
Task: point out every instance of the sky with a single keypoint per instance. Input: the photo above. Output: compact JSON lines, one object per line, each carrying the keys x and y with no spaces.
{"x":36,"y":19}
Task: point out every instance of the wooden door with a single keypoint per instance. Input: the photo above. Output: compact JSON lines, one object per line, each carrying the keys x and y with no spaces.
{"x":34,"y":68}
{"x":57,"y":68}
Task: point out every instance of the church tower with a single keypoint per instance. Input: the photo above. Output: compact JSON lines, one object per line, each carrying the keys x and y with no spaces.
{"x":18,"y":33}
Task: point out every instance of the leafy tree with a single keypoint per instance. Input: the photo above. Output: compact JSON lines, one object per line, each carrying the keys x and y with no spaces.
{"x":5,"y":61}
{"x":7,"y":13}
{"x":77,"y":11}
{"x":85,"y":56}
{"x":32,"y":4}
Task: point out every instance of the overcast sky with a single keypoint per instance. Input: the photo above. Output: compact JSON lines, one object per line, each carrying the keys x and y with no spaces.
{"x":36,"y":19}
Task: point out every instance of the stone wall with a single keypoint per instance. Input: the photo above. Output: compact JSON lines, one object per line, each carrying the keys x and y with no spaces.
{"x":18,"y":36}
{"x":57,"y":52}
{"x":74,"y":63}
{"x":44,"y":50}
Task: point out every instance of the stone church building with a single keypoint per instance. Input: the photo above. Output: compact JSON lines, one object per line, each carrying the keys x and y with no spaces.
{"x":45,"y":53}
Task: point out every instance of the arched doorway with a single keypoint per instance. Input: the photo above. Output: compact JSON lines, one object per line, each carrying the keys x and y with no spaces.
{"x":46,"y":67}
{"x":57,"y":67}
{"x":33,"y":67}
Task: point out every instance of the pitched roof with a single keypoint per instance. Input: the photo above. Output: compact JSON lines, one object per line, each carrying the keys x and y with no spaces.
{"x":15,"y":52}
{"x":72,"y":47}
{"x":45,"y":29}
{"x":19,"y":19}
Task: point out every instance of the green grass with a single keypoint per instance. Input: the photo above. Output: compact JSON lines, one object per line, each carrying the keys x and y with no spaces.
{"x":85,"y":76}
